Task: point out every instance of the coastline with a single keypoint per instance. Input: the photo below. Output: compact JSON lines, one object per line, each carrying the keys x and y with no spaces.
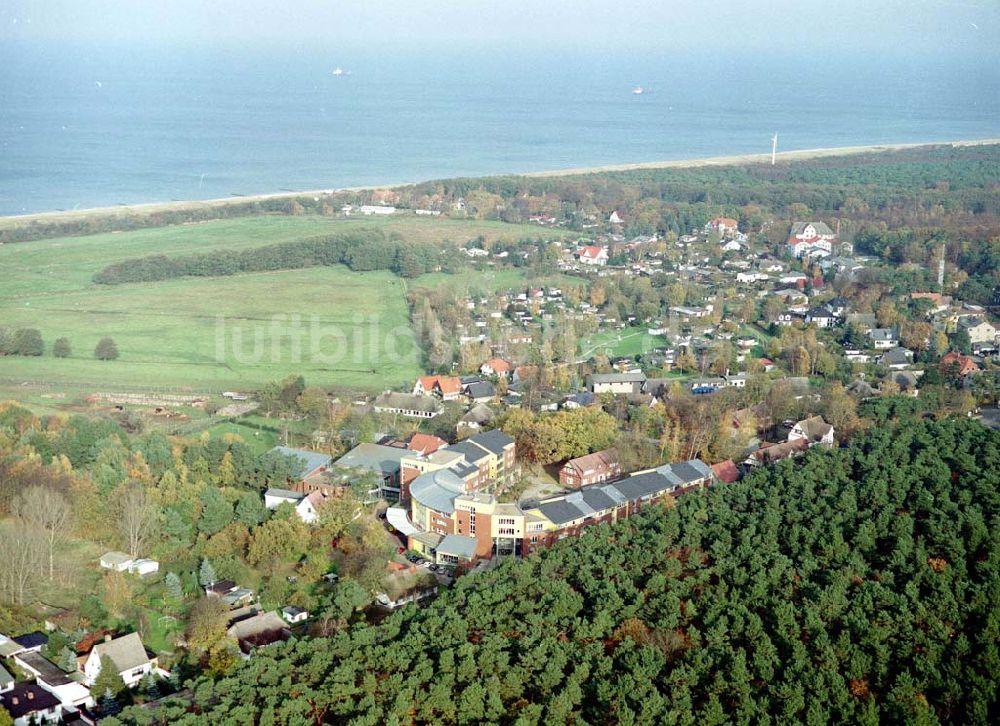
{"x":732,"y":160}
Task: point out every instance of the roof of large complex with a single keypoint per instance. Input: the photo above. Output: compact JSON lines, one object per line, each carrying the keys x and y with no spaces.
{"x":373,"y":457}
{"x":469,"y":450}
{"x":457,"y":545}
{"x":602,"y":497}
{"x":437,"y":490}
{"x":307,"y":461}
{"x":425,"y":443}
{"x":399,"y":518}
{"x":494,"y":440}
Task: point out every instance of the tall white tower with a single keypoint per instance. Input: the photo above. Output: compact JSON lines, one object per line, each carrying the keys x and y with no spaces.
{"x":774,"y":147}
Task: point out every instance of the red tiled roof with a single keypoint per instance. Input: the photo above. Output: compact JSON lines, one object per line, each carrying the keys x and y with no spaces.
{"x":598,"y":461}
{"x":446,"y":384}
{"x":965,"y":364}
{"x":777,"y":452}
{"x":498,"y":365}
{"x":425,"y":443}
{"x":726,"y":471}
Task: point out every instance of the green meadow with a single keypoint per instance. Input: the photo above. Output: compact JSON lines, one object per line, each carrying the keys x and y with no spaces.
{"x":626,"y":342}
{"x":336,"y":327}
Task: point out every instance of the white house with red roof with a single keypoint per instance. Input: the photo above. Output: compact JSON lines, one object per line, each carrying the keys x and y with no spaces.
{"x":811,"y":239}
{"x":593,"y":255}
{"x":446,"y":387}
{"x":308,"y":506}
{"x":496,"y":367}
{"x":724,"y":226}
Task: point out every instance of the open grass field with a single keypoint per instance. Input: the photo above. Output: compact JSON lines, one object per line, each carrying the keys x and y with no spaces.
{"x":334,"y":326}
{"x":627,"y":342}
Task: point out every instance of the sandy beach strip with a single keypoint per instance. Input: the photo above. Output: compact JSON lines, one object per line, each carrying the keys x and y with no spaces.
{"x":737,"y":160}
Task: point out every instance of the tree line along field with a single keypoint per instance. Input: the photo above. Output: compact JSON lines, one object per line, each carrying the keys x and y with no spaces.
{"x":200,"y":332}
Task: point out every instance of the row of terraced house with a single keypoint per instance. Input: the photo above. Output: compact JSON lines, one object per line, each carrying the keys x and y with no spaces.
{"x":451,"y":515}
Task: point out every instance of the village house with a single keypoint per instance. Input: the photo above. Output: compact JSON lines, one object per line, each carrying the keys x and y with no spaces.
{"x":447,"y":388}
{"x":308,"y":507}
{"x":590,"y":469}
{"x":256,"y":628}
{"x":69,"y":688}
{"x":117,"y":561}
{"x":229,"y":593}
{"x":954,"y":363}
{"x":726,"y":471}
{"x":475,"y":419}
{"x":883,"y":338}
{"x":127,"y":653}
{"x":408,"y":405}
{"x":821,"y":317}
{"x":896,"y":358}
{"x":479,"y":391}
{"x":773,"y":453}
{"x":275,"y":497}
{"x":616,"y":383}
{"x":293,"y":614}
{"x":979,"y":329}
{"x":809,"y":239}
{"x":723,"y":226}
{"x":813,"y":430}
{"x":29,"y":703}
{"x":593,"y":255}
{"x":496,"y":367}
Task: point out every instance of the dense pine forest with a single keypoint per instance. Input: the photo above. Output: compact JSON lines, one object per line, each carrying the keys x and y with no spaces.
{"x":853,"y":585}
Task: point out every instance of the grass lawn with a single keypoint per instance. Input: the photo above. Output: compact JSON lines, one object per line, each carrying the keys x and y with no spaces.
{"x":259,"y":441}
{"x":212,"y":333}
{"x":334,"y":326}
{"x":627,"y":342}
{"x":163,"y":631}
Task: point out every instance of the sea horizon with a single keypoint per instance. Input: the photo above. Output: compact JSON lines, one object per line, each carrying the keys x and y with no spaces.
{"x":127,"y":126}
{"x":786,"y":156}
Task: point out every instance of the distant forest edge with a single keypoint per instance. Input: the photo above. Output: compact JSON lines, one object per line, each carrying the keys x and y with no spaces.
{"x":360,"y":250}
{"x":888,"y":184}
{"x":856,"y":585}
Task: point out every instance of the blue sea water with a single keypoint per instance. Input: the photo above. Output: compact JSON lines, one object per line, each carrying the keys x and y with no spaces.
{"x":83,"y":127}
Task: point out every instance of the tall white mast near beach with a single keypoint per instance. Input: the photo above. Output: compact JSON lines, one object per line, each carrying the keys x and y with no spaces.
{"x":774,"y":147}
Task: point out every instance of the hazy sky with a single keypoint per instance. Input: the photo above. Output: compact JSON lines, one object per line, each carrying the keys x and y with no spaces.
{"x":797,"y":26}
